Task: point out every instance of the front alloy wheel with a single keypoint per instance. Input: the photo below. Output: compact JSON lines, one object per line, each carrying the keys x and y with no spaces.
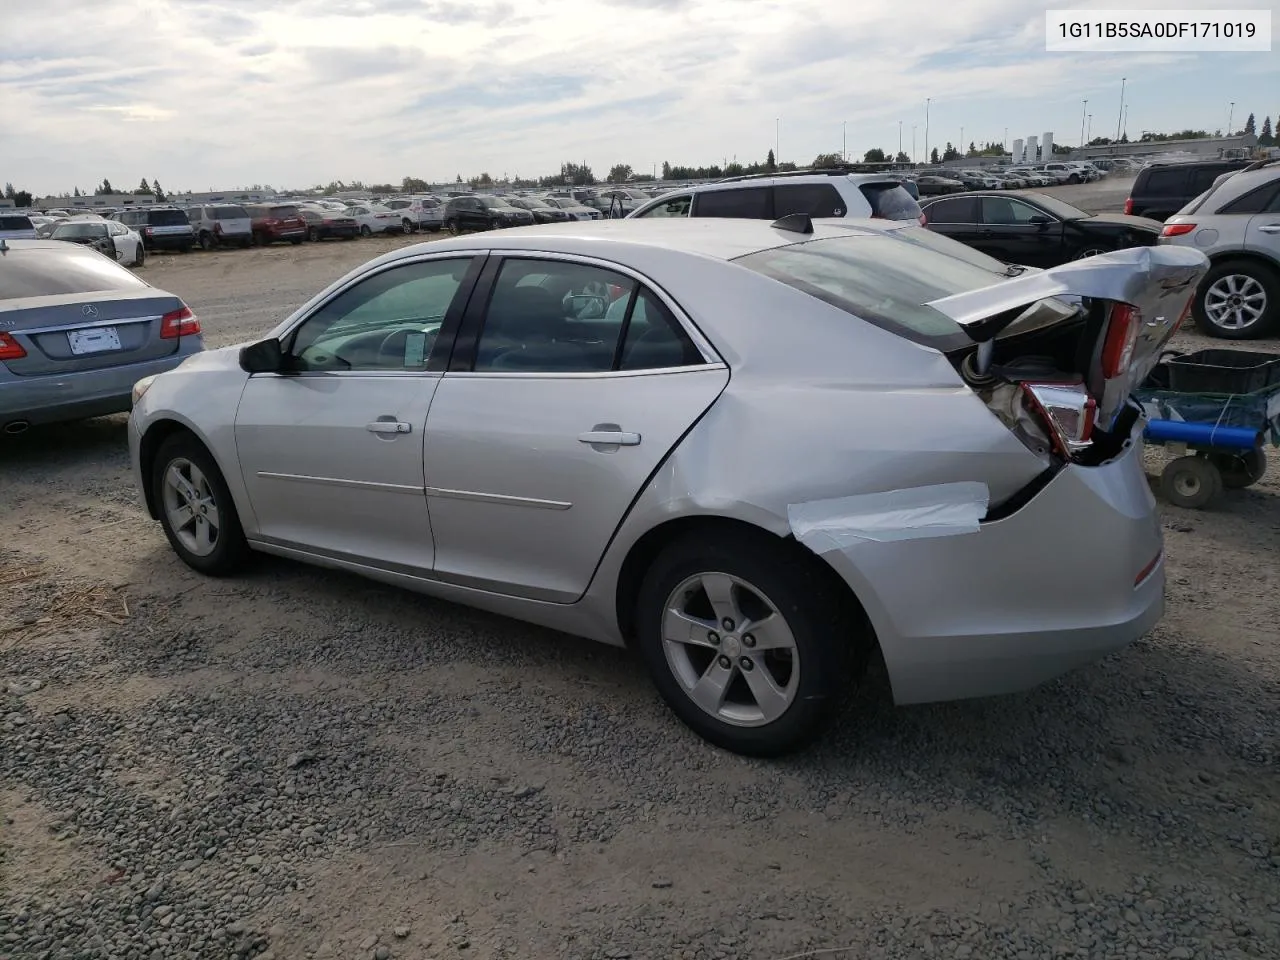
{"x":195,"y":507}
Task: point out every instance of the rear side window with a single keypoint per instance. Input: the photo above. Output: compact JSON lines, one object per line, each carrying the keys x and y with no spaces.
{"x":49,"y":273}
{"x":1255,"y":201}
{"x":1166,"y":183}
{"x":955,"y":210}
{"x":1203,"y":178}
{"x":15,"y":223}
{"x":281,"y":213}
{"x":815,"y":199}
{"x":228,"y":213}
{"x":748,"y":203}
{"x":879,"y":279}
{"x":890,"y":201}
{"x":167,"y":218}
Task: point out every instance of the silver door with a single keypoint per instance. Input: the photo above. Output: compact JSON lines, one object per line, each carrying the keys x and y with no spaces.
{"x":331,"y":449}
{"x":534,"y":455}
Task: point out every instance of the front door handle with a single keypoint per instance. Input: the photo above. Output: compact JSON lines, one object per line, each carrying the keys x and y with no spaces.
{"x":1269,"y":228}
{"x":619,"y":438}
{"x":388,"y":426}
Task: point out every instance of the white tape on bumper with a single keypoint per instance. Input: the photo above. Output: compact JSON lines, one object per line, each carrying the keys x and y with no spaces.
{"x":941,"y":510}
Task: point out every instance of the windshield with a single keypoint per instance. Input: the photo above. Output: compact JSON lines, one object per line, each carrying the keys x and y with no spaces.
{"x":73,"y":230}
{"x":880,"y":279}
{"x":1063,"y":211}
{"x":46,"y":273}
{"x":18,"y":223}
{"x":280,"y":213}
{"x":493,"y":203}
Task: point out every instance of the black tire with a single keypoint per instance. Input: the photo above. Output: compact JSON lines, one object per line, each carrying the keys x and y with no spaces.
{"x":785,"y":576}
{"x":296,"y":241}
{"x":230,"y":550}
{"x":1191,"y":482}
{"x":1268,"y":278}
{"x":452,"y":227}
{"x":313,"y":235}
{"x":1240,"y":471}
{"x":246,"y":244}
{"x":407,"y":226}
{"x":207,"y":242}
{"x":365,"y":231}
{"x":141,"y":257}
{"x":435,"y":229}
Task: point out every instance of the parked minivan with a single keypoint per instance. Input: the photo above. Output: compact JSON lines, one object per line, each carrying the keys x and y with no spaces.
{"x":221,"y":223}
{"x":1161,"y":190}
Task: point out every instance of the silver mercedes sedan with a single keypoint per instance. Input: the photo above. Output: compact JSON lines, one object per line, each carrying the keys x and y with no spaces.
{"x":753,"y":452}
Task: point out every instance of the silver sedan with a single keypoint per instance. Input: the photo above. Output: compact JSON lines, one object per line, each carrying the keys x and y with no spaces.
{"x":753,"y":452}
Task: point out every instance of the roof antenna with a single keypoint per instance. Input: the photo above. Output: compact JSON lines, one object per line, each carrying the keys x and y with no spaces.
{"x":794,"y":222}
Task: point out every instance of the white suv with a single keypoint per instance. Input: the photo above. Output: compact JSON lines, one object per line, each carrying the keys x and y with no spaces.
{"x":818,"y":193}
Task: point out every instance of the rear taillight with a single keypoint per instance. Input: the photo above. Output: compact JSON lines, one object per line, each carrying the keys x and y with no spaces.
{"x":179,"y":323}
{"x":1067,"y":410}
{"x":1177,"y":229}
{"x":217,"y":228}
{"x":10,"y":349}
{"x":1128,"y":206}
{"x":924,"y":220}
{"x":1149,"y":569}
{"x":146,"y":231}
{"x":1122,"y":334}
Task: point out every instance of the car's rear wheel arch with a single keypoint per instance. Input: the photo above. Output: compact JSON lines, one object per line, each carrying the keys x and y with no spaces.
{"x":646,"y":550}
{"x":152,"y":440}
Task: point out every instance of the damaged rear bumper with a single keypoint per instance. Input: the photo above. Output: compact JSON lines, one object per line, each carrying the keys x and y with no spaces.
{"x":975,"y":610}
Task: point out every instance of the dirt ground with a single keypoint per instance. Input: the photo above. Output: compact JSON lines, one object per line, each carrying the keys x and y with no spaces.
{"x":301,"y":763}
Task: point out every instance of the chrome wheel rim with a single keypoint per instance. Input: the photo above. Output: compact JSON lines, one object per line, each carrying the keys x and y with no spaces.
{"x":729,"y":648}
{"x":1186,"y":485}
{"x":1235,"y":301}
{"x":1090,"y":252}
{"x":190,"y":507}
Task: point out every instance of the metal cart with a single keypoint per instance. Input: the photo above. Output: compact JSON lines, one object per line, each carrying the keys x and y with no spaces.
{"x":1213,"y":440}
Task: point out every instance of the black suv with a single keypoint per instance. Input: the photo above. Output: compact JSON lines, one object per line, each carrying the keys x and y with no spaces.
{"x":1161,"y":190}
{"x":482,"y":213}
{"x":161,"y":228}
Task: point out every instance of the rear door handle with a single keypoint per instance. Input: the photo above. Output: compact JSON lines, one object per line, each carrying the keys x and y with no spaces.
{"x":619,"y":438}
{"x":1269,"y":228}
{"x":388,"y":426}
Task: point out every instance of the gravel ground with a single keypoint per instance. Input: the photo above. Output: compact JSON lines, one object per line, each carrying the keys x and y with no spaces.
{"x":301,"y":764}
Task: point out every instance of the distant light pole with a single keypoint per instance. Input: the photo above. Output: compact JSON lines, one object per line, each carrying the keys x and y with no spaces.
{"x":927,"y":101}
{"x":777,"y":140}
{"x":899,"y":140}
{"x":844,"y":141}
{"x":1089,"y":128}
{"x":1120,"y":118}
{"x":1231,"y":114}
{"x":960,"y":145}
{"x":1125,"y":132}
{"x":1004,"y":144}
{"x":913,"y":143}
{"x":1084,"y":112}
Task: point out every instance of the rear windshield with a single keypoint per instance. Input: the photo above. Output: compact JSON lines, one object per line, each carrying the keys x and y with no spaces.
{"x":167,"y":218}
{"x":281,"y":213}
{"x":891,"y":201}
{"x":48,"y":273}
{"x":880,"y":279}
{"x":79,"y":230}
{"x":228,"y":213}
{"x":15,"y":223}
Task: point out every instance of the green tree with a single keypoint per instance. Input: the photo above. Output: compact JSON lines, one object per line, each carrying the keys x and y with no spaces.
{"x":950,"y":152}
{"x":9,"y":191}
{"x":874,"y":155}
{"x":414,"y":185}
{"x":666,"y":170}
{"x":770,"y":163}
{"x":1266,"y":138}
{"x":155,"y":188}
{"x":734,"y":169}
{"x":77,"y":193}
{"x":901,"y":157}
{"x":1250,"y":125}
{"x":104,"y":188}
{"x":22,"y":198}
{"x":459,"y":178}
{"x":826,"y":161}
{"x":933,"y":155}
{"x":620,"y":173}
{"x":144,"y":188}
{"x":484,"y":180}
{"x":973,"y":151}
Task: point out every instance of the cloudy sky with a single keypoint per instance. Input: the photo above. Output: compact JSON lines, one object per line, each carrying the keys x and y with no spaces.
{"x":213,"y":94}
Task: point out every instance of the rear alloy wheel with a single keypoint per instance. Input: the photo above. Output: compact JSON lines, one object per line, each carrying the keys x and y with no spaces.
{"x":1191,"y":482}
{"x":1090,"y":252}
{"x":196,"y":510}
{"x":313,"y":235}
{"x":749,"y":648}
{"x":365,"y":231}
{"x":407,"y":226}
{"x":1238,"y":300}
{"x":452,"y":227}
{"x":207,"y":242}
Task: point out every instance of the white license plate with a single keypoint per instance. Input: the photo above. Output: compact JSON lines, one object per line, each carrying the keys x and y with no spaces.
{"x":95,"y":340}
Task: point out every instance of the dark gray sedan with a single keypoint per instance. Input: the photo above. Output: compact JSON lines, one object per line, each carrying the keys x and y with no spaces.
{"x":77,"y":331}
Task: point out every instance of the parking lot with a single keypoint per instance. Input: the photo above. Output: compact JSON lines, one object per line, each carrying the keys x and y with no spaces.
{"x":301,"y":763}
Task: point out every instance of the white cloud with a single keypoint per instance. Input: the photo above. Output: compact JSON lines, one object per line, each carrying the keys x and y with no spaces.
{"x":293,"y":92}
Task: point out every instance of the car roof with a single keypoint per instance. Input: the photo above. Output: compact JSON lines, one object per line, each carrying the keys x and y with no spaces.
{"x":716,"y":238}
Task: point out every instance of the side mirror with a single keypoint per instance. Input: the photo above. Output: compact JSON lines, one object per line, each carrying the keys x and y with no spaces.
{"x":265,"y":356}
{"x":1041,"y":220}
